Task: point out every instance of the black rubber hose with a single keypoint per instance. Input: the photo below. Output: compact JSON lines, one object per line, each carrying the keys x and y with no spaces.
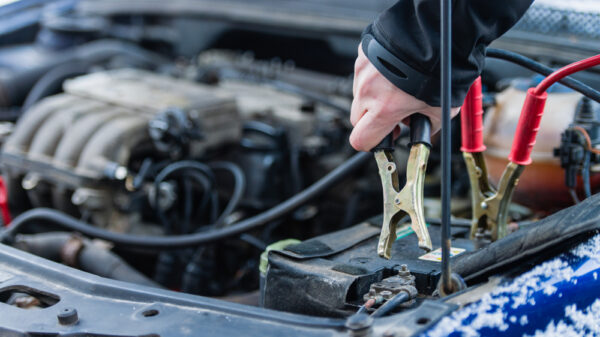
{"x":170,"y":170}
{"x":391,"y":304}
{"x":51,"y":82}
{"x":208,"y":195}
{"x":179,"y":241}
{"x":539,"y":68}
{"x":17,"y":85}
{"x":239,"y":187}
{"x":187,"y":208}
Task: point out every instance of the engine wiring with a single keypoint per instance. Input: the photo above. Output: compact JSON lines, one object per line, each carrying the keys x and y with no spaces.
{"x":189,"y":240}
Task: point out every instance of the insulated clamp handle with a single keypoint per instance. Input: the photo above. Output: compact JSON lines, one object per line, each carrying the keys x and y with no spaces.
{"x":386,"y":144}
{"x":420,"y":130}
{"x":420,"y":133}
{"x":471,"y":119}
{"x":527,"y":129}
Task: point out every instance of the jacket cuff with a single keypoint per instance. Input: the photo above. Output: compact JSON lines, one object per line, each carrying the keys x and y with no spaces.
{"x":425,"y":87}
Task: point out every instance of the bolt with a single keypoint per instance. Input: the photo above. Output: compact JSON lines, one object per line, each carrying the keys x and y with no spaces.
{"x":78,"y":198}
{"x":404,"y":271}
{"x":386,"y":294}
{"x":397,"y":201}
{"x":120,"y":173}
{"x":484,"y":205}
{"x":30,"y":181}
{"x":68,"y":316}
{"x":359,"y":325}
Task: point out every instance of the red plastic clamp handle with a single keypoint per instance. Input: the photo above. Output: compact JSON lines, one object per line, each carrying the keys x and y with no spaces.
{"x":471,"y":119}
{"x":527,"y":129}
{"x":4,"y":203}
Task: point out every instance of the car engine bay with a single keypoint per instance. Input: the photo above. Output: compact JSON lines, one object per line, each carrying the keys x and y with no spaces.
{"x":155,"y":152}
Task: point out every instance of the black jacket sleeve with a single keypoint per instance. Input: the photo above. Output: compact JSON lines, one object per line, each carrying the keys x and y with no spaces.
{"x":404,"y":43}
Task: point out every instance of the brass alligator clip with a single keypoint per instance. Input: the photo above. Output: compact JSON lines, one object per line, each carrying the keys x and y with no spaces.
{"x":409,"y":200}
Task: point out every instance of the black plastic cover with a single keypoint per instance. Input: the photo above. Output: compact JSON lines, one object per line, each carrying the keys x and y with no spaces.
{"x":328,"y":275}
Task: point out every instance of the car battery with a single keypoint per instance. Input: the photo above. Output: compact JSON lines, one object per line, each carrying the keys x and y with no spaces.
{"x":329,"y":275}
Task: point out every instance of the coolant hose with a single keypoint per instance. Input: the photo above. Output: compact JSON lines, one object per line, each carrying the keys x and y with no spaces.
{"x":189,"y":240}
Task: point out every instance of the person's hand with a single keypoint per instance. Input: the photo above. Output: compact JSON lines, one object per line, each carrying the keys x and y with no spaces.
{"x":379,"y":106}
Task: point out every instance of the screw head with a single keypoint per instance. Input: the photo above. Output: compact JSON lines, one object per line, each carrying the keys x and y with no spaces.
{"x":386,"y":294}
{"x":404,"y":272}
{"x":67,"y":316}
{"x":359,"y":322}
{"x":484,"y":205}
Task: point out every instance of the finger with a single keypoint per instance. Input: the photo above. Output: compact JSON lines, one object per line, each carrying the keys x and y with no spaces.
{"x":369,"y":131}
{"x":357,"y":110}
{"x":359,"y":65}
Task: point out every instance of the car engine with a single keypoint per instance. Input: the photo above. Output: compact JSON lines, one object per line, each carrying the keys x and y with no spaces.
{"x":204,"y":150}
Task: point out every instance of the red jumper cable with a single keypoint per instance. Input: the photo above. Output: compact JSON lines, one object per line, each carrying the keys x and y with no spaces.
{"x":489,"y":204}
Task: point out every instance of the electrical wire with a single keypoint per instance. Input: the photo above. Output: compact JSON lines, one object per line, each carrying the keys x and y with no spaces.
{"x":172,"y":169}
{"x":574,"y":196}
{"x":254,"y":241}
{"x":209,"y":195}
{"x":543,"y":70}
{"x":326,"y":101}
{"x":187,"y":208}
{"x":588,"y":140}
{"x":391,"y":304}
{"x":585,"y":175}
{"x":239,"y":187}
{"x":368,"y":304}
{"x":356,"y":162}
{"x":566,"y":71}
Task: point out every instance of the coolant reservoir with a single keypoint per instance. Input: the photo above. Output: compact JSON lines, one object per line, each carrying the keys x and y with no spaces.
{"x":542,"y":184}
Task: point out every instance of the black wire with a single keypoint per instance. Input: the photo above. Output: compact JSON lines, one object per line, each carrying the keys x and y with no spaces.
{"x":585,"y":175}
{"x":187,"y":208}
{"x":295,"y":171}
{"x":283,"y":86}
{"x":188,"y":240}
{"x":171,"y":169}
{"x":254,"y":241}
{"x":239,"y":187}
{"x":574,"y":196}
{"x":207,"y":194}
{"x":446,"y":137}
{"x":544,"y":70}
{"x":391,"y":304}
{"x":456,"y":222}
{"x":362,"y":310}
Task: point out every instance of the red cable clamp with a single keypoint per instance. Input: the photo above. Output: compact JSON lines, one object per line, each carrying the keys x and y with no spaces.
{"x":471,"y":119}
{"x":533,"y":109}
{"x":4,"y":203}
